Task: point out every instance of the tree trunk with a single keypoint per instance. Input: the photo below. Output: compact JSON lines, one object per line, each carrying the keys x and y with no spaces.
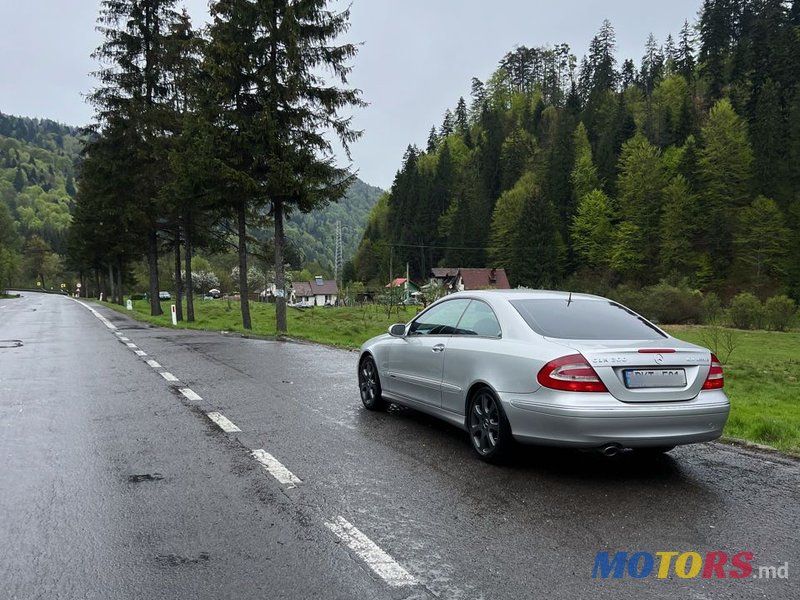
{"x":243,"y":292}
{"x":178,"y":278}
{"x":112,"y":296}
{"x":120,"y":291}
{"x":152,"y":263}
{"x":280,"y":279}
{"x":187,"y":255}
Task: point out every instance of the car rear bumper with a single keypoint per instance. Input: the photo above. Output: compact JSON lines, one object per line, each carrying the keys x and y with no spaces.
{"x":594,"y":420}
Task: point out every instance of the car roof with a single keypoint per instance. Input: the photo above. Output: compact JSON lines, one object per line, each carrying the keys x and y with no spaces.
{"x":524,"y":294}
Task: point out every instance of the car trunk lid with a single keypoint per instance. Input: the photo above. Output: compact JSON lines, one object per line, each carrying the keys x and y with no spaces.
{"x":666,"y":370}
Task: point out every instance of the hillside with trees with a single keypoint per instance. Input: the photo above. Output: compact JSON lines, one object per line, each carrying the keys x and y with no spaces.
{"x":38,"y":161}
{"x":678,"y":169}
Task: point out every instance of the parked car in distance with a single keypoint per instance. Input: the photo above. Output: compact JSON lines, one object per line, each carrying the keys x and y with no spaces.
{"x":164,"y":296}
{"x":550,"y":368}
{"x":214,"y":293}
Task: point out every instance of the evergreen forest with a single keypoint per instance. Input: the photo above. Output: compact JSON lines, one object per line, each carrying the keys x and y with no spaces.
{"x":681,"y":168}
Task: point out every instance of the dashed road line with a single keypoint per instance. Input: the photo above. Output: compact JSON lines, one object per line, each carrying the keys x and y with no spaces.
{"x":131,"y":345}
{"x":169,"y":376}
{"x":152,"y":363}
{"x":226,"y":425}
{"x":379,"y":561}
{"x":140,"y":353}
{"x":124,"y":339}
{"x":190,"y":395}
{"x":276,"y":469}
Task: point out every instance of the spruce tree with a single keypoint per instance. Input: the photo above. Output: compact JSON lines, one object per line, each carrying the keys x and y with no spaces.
{"x":133,"y":97}
{"x":270,"y":109}
{"x":725,"y":181}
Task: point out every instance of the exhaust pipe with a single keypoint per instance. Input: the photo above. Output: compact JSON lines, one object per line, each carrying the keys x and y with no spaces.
{"x":610,"y":450}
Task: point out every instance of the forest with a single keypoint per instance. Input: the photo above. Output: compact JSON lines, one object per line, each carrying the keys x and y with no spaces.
{"x":678,"y":170}
{"x":38,"y":162}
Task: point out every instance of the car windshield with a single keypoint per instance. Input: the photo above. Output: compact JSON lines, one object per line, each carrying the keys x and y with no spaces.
{"x":584,"y":319}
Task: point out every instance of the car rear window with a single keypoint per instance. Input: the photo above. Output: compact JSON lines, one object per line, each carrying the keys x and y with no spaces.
{"x":584,"y":319}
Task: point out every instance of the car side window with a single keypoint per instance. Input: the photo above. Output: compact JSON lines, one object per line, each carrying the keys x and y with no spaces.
{"x":479,"y":319}
{"x":439,"y":320}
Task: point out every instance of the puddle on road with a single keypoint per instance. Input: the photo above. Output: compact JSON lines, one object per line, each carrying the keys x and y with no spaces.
{"x":10,"y":344}
{"x":145,"y":477}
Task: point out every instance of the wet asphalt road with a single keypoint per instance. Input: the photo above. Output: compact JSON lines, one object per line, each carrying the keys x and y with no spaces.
{"x":113,"y":484}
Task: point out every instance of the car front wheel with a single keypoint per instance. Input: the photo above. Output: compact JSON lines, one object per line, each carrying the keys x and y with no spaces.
{"x":488,"y":427}
{"x":369,"y":384}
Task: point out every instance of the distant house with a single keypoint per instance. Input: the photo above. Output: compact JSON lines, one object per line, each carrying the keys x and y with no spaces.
{"x":460,"y":279}
{"x":408,"y":289}
{"x":481,"y":279}
{"x":319,"y":292}
{"x":443,"y":276}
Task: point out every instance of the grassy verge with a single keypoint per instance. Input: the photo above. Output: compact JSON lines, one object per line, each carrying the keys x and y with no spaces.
{"x":762,"y":373}
{"x":762,"y":379}
{"x":340,"y":327}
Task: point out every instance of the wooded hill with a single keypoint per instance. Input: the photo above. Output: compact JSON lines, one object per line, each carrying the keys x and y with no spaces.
{"x":38,"y":164}
{"x":38,"y":159}
{"x":591,"y":174}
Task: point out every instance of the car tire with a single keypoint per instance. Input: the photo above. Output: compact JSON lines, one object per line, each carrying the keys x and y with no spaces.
{"x":369,"y":385}
{"x":488,"y":427}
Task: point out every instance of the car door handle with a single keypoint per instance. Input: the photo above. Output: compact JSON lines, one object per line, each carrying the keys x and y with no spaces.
{"x":438,"y":348}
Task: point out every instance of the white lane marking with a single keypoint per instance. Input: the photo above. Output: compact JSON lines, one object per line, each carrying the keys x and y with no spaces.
{"x":381,"y":563}
{"x":105,"y":321}
{"x":276,"y":469}
{"x":169,"y":376}
{"x":124,"y":339}
{"x":190,"y":395}
{"x":117,"y":333}
{"x":153,"y":364}
{"x":226,"y":425}
{"x":131,"y":345}
{"x":140,"y":353}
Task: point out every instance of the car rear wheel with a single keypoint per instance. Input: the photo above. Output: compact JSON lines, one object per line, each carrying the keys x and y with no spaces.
{"x":369,"y":384}
{"x":489,"y":430}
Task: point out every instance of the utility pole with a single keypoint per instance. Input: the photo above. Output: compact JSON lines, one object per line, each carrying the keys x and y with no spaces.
{"x":338,"y":263}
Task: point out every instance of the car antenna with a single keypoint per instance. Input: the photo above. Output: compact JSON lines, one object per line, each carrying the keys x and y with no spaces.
{"x":569,"y":300}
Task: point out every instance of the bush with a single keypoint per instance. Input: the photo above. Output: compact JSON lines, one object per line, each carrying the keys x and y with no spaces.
{"x":779,"y":312}
{"x":746,"y":311}
{"x":662,"y":303}
{"x":711,"y":308}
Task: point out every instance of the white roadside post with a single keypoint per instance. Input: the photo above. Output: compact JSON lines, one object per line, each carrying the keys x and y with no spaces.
{"x":129,"y":304}
{"x":174,"y":316}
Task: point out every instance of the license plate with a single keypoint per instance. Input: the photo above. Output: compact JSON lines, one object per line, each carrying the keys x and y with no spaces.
{"x":654,"y":378}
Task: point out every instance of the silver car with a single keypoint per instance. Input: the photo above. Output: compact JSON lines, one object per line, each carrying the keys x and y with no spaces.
{"x":552,"y":368}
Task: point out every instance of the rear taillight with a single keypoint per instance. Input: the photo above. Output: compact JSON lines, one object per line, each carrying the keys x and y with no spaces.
{"x":716,"y":378}
{"x":572,"y":374}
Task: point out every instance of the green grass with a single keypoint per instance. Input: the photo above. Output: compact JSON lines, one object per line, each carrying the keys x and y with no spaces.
{"x":762,"y":373}
{"x":762,"y":380}
{"x":340,"y":327}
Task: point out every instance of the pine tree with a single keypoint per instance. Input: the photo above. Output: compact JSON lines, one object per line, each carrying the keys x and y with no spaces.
{"x":725,"y":180}
{"x":433,"y":141}
{"x":652,"y":65}
{"x":684,"y":58}
{"x":761,"y":242}
{"x":536,"y":243}
{"x":270,"y":110}
{"x":448,"y":124}
{"x":770,"y":168}
{"x":592,"y":231}
{"x":642,"y":179}
{"x":133,"y":97}
{"x":679,"y":224}
{"x":461,"y":118}
{"x":584,"y":174}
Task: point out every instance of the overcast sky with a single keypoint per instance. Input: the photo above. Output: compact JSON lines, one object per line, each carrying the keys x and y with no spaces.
{"x":417,"y":58}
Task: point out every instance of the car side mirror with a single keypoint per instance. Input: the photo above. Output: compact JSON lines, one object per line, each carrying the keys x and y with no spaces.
{"x":398,"y":330}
